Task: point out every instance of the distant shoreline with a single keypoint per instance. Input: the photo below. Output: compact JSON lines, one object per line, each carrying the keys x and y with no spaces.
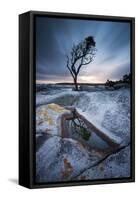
{"x":71,"y":84}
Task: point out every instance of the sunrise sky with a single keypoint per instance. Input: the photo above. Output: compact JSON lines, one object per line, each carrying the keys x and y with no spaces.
{"x":54,"y":40}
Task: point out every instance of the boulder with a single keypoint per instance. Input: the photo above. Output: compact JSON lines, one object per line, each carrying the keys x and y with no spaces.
{"x":109,"y":111}
{"x":116,"y":165}
{"x":50,"y":117}
{"x":61,"y":159}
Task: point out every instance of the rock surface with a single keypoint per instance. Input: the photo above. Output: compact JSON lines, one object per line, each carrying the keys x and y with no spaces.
{"x":62,"y":159}
{"x":59,"y":158}
{"x":109,"y":111}
{"x":49,"y":118}
{"x":63,"y":98}
{"x":115,"y":166}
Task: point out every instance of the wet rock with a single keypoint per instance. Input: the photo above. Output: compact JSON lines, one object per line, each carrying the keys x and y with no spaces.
{"x":62,"y":159}
{"x":115,"y":166}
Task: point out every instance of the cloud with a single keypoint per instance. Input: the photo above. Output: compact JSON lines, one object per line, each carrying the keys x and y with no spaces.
{"x":120,"y":70}
{"x":54,"y":40}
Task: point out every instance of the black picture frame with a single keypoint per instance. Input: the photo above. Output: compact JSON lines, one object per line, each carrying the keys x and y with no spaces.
{"x":27,"y":98}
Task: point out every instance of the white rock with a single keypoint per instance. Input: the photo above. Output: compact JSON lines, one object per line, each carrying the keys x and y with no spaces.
{"x":115,"y":166}
{"x":62,"y":159}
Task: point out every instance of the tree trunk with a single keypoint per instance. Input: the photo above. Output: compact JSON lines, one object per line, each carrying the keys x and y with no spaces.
{"x":76,"y":84}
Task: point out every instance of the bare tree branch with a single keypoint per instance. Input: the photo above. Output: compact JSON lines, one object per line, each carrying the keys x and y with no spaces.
{"x":81,"y":54}
{"x":69,"y":67}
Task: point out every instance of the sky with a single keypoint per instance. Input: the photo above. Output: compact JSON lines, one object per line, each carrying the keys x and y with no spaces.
{"x":56,"y":36}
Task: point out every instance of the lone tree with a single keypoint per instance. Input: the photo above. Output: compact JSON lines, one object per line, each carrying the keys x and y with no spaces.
{"x":81,"y":54}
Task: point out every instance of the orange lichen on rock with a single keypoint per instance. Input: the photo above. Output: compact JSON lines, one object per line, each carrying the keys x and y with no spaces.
{"x":45,"y":116}
{"x":56,"y":108}
{"x":68,"y":169}
{"x":83,"y":178}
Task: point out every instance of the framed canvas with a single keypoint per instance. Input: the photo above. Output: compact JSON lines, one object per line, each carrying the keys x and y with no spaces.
{"x":76,"y":99}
